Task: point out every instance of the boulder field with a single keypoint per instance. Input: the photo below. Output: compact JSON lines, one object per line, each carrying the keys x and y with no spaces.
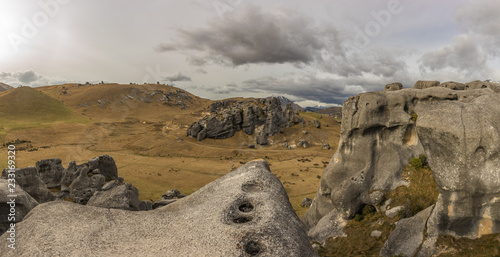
{"x":458,"y":131}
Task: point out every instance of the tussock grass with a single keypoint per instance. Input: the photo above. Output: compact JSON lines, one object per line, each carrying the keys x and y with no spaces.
{"x":421,"y":193}
{"x":488,"y":245}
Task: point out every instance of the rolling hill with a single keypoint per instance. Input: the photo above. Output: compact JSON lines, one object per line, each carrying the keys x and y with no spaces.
{"x":25,"y":105}
{"x":4,"y":87}
{"x":121,"y":102}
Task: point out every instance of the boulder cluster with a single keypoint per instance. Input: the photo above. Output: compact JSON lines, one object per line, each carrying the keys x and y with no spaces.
{"x":261,"y":116}
{"x":175,"y":97}
{"x":455,"y":125}
{"x":94,"y":183}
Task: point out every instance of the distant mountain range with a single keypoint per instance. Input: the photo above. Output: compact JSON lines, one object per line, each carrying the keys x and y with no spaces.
{"x":335,"y":112}
{"x":4,"y":87}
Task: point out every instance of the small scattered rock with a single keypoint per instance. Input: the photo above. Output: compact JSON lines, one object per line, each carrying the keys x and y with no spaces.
{"x":394,"y":211}
{"x":317,"y":124}
{"x":306,"y":202}
{"x":303,"y":143}
{"x":376,"y":233}
{"x":173,"y":194}
{"x":385,"y":205}
{"x":261,"y":139}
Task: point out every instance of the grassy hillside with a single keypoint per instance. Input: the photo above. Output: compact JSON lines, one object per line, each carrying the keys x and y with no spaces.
{"x":123,"y":102}
{"x":26,"y":107}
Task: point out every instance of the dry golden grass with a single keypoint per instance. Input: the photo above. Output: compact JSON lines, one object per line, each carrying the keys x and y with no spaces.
{"x":144,"y":141}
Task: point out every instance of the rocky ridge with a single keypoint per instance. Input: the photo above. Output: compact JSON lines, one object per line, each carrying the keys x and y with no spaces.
{"x":174,"y":97}
{"x":381,"y":131}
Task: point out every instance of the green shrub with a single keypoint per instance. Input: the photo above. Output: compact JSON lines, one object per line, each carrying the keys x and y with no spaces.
{"x":368,"y":209}
{"x":414,"y":117}
{"x":420,"y":162}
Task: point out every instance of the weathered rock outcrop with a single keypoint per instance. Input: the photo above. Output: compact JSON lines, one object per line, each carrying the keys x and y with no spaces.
{"x":393,"y":86}
{"x":23,"y":205}
{"x":124,"y":196}
{"x":85,"y":185}
{"x":423,"y":84}
{"x":168,"y":198}
{"x":50,"y":171}
{"x":458,"y":130}
{"x":29,"y":180}
{"x":244,"y":213}
{"x":106,"y":165}
{"x":227,"y":117}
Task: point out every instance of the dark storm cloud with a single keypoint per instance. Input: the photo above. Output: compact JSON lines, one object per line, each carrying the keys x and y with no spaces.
{"x":251,"y":35}
{"x":177,"y":76}
{"x":310,"y":87}
{"x":254,"y":36}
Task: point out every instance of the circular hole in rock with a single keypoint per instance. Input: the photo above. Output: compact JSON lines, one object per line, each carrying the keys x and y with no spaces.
{"x":246,"y":207}
{"x":251,"y":186}
{"x":242,"y":219}
{"x":253,"y":248}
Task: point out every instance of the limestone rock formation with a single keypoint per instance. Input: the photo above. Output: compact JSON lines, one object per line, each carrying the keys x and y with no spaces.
{"x":393,"y":86}
{"x":23,"y":205}
{"x":50,"y":171}
{"x":106,"y":165}
{"x":85,"y":185}
{"x":69,"y":175}
{"x":29,"y":180}
{"x":461,"y":139}
{"x":168,"y":198}
{"x":125,"y":197}
{"x":230,"y":116}
{"x":408,"y":235}
{"x":244,"y":213}
{"x":381,"y":131}
{"x":422,"y":84}
{"x":477,"y":84}
{"x":453,"y":85}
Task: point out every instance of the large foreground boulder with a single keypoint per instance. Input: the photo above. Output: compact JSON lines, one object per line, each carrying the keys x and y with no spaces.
{"x":13,"y":212}
{"x":244,"y":213}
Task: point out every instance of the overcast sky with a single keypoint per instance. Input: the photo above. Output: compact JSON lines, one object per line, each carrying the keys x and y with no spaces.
{"x":314,"y":52}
